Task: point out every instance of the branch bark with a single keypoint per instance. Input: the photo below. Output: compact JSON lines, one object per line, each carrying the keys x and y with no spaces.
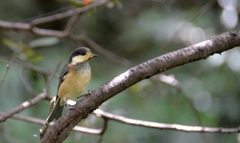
{"x":61,"y":129}
{"x":23,"y":106}
{"x":162,"y":126}
{"x":38,"y":121}
{"x":32,"y":25}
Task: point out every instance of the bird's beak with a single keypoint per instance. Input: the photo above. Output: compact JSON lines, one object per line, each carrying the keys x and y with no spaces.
{"x":92,"y":56}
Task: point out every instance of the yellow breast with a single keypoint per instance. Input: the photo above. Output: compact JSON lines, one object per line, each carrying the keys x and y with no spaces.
{"x":74,"y":84}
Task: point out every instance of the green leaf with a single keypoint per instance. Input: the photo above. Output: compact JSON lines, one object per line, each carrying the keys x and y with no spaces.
{"x":10,"y":44}
{"x":24,"y":52}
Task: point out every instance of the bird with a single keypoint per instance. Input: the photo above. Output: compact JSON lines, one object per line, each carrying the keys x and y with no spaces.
{"x":73,"y":80}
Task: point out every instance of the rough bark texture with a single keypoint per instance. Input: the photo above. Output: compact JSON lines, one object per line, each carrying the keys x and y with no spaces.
{"x":61,"y":129}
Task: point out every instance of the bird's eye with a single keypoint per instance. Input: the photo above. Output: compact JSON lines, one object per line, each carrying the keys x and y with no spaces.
{"x":82,"y":53}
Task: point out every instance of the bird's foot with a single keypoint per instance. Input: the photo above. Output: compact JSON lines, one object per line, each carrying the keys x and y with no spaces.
{"x":86,"y":94}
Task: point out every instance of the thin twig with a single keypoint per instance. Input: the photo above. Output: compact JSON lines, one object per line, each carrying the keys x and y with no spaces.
{"x":29,"y":103}
{"x":63,"y":9}
{"x":41,"y":122}
{"x":162,"y":126}
{"x":105,"y":125}
{"x":27,"y":82}
{"x":70,"y":23}
{"x":23,"y":106}
{"x":52,"y":76}
{"x":101,"y":50}
{"x":26,"y":65}
{"x":68,"y":13}
{"x":203,"y":9}
{"x":7,"y":68}
{"x":46,"y":124}
{"x":171,"y":80}
{"x":31,"y":26}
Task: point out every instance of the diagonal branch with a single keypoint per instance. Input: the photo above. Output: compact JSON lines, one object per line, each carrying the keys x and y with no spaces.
{"x":25,"y":65}
{"x":203,"y":10}
{"x":64,"y":125}
{"x":23,"y":106}
{"x":101,"y":50}
{"x":29,"y":103}
{"x":7,"y":68}
{"x":70,"y":24}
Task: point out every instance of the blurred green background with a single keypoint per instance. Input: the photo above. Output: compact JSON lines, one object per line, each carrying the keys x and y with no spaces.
{"x":209,"y":92}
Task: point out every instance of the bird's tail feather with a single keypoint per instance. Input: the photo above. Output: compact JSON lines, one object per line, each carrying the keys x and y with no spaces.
{"x":56,"y":112}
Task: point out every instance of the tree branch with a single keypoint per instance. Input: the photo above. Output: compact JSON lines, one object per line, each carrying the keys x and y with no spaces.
{"x":68,"y":13}
{"x":23,"y":106}
{"x":27,"y":104}
{"x":61,"y":129}
{"x":7,"y":68}
{"x":162,"y":126}
{"x":25,"y":65}
{"x":203,"y":10}
{"x":32,"y":26}
{"x":101,"y":50}
{"x":41,"y":122}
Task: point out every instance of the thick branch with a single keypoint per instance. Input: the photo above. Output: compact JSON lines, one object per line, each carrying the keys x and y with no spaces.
{"x":64,"y":125}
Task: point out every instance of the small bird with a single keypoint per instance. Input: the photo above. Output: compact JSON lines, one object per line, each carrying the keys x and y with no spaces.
{"x":73,"y":80}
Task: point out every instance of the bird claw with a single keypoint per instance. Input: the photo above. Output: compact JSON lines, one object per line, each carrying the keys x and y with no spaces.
{"x":89,"y":92}
{"x":86,"y":94}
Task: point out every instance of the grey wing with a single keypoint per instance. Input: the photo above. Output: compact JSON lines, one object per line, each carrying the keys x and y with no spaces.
{"x":57,"y":110}
{"x":63,"y":73}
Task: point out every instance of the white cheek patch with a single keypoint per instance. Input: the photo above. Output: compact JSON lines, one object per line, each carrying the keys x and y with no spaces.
{"x":77,"y":59}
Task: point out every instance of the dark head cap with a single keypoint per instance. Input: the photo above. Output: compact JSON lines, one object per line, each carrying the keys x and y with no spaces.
{"x":81,"y":54}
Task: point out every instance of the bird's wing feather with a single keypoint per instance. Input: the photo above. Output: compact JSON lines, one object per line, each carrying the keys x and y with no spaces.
{"x":56,"y":112}
{"x":65,"y":70}
{"x":57,"y":109}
